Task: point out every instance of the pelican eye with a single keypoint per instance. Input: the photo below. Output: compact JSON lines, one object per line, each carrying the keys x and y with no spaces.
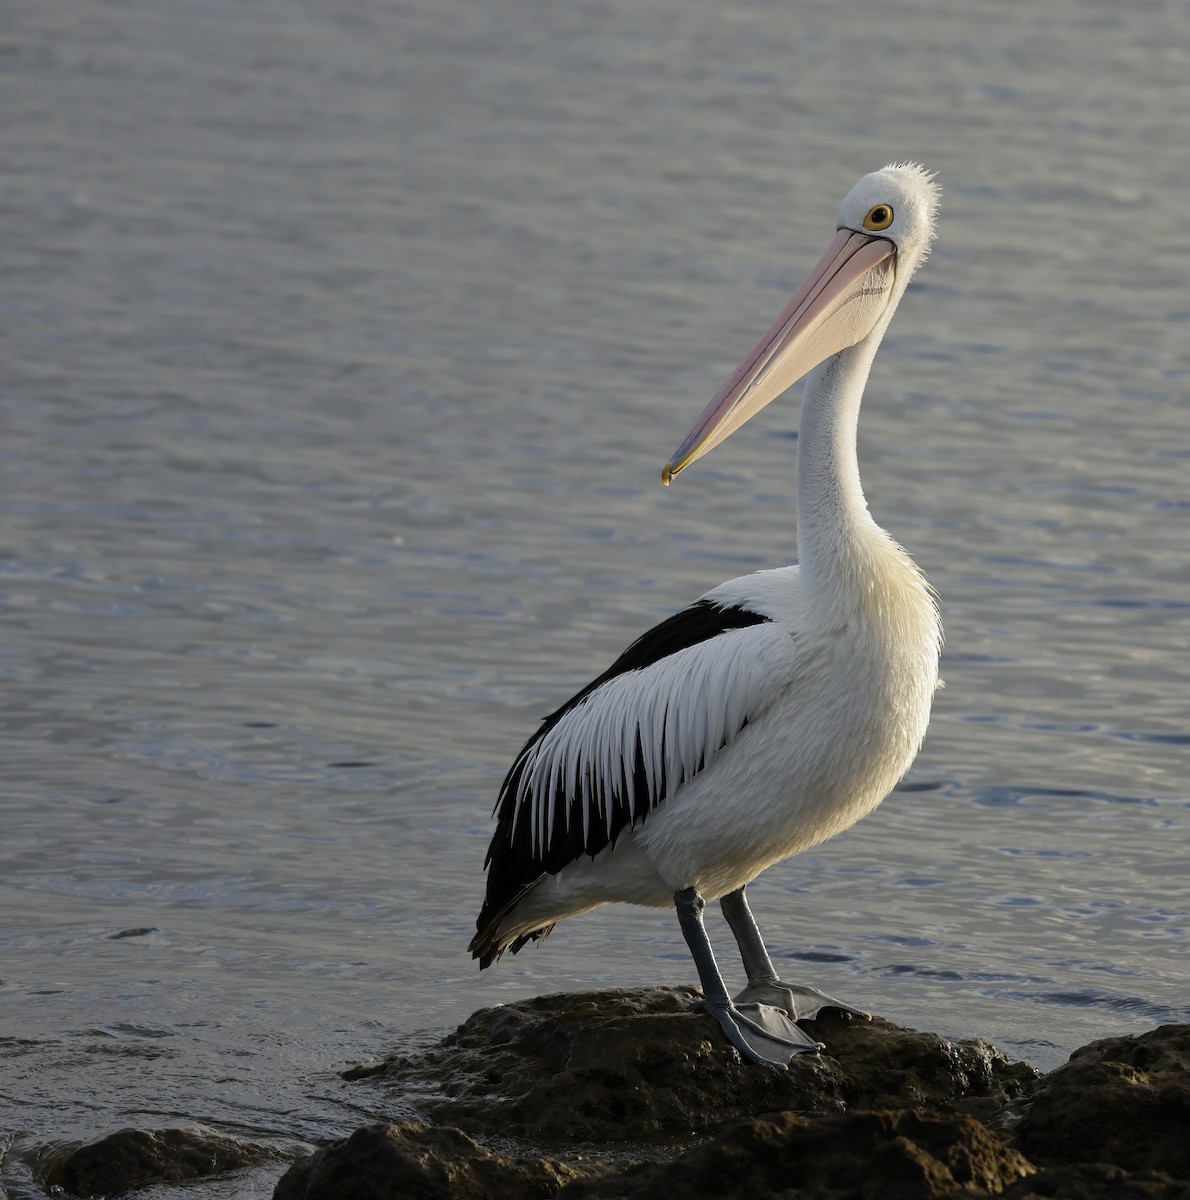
{"x":880,"y":217}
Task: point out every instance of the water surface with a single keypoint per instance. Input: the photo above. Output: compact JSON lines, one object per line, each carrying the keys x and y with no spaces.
{"x":341,"y":345}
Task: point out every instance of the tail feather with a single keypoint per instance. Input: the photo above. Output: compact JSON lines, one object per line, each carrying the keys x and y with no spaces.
{"x":487,"y":946}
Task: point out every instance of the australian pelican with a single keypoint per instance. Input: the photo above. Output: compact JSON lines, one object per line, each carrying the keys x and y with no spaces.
{"x":775,"y":711}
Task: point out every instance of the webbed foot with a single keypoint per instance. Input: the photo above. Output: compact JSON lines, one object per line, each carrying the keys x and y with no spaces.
{"x":762,"y":1033}
{"x":801,"y":1002}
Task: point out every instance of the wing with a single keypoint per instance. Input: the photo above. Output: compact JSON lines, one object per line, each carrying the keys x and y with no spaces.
{"x":627,"y":741}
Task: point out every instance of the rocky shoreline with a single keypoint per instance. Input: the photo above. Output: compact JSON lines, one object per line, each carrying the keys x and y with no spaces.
{"x":630,"y":1093}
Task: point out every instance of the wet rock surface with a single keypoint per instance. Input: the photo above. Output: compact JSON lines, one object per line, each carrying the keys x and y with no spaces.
{"x":1097,"y":1181}
{"x":891,"y":1155}
{"x":413,"y":1159}
{"x":640,"y":1065}
{"x":631,"y":1094}
{"x":1124,"y":1101}
{"x":135,"y":1158}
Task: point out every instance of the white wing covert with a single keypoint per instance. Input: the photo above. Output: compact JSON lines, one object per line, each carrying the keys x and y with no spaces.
{"x":619,"y":748}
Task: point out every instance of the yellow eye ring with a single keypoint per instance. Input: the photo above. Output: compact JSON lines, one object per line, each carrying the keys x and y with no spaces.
{"x":880,"y":217}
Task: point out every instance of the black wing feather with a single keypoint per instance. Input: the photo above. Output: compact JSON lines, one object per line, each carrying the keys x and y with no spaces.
{"x":513,"y":861}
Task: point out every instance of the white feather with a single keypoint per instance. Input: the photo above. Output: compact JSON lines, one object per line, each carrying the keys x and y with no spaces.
{"x":684,"y":709}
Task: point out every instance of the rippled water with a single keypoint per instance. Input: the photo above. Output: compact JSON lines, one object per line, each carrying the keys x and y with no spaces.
{"x":341,"y":344}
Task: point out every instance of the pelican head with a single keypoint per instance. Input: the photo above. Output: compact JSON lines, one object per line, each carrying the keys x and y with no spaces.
{"x":911,"y":195}
{"x":884,"y":229}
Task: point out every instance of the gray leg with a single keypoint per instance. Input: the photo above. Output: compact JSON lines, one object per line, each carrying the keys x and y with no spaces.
{"x":798,"y":1000}
{"x":761,"y":1033}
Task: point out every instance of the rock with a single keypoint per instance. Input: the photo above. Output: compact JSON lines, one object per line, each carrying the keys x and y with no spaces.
{"x":1124,"y":1101}
{"x":620,"y":1082}
{"x":640,"y":1065}
{"x":132,"y":1158}
{"x":415,"y":1161}
{"x":889,"y":1066}
{"x":847,"y":1156}
{"x":1097,"y":1181}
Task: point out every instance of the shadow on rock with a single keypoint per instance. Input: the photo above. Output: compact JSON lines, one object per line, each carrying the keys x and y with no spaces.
{"x":892,"y":1155}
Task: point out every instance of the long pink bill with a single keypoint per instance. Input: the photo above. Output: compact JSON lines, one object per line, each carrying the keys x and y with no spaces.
{"x":837,"y":306}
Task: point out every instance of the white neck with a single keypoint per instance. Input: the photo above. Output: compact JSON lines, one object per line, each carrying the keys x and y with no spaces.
{"x":833,"y":522}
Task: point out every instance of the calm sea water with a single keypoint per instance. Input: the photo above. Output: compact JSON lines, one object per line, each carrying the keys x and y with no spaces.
{"x":341,"y":344}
